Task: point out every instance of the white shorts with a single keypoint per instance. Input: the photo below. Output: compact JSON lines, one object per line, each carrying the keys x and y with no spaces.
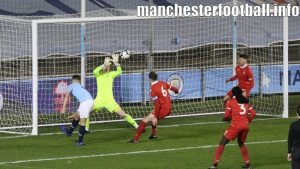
{"x":85,"y":108}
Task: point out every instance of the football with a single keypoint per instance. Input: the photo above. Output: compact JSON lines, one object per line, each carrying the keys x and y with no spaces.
{"x":125,"y":54}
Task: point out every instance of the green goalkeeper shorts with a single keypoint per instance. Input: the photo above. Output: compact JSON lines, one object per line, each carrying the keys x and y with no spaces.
{"x":110,"y":105}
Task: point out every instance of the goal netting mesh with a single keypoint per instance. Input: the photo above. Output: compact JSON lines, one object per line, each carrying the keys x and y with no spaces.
{"x":15,"y":76}
{"x":194,"y":54}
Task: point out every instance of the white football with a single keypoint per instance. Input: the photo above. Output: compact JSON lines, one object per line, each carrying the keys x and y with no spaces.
{"x":125,"y":54}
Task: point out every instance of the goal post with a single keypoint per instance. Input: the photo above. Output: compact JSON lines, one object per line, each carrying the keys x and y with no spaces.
{"x":285,"y":22}
{"x":193,"y":53}
{"x":34,"y":79}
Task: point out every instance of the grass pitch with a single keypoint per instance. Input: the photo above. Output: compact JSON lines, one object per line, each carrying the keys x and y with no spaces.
{"x":183,"y":143}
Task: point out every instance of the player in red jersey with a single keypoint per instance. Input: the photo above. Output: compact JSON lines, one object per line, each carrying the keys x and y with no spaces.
{"x":241,"y":113}
{"x":162,"y":105}
{"x":245,"y":77}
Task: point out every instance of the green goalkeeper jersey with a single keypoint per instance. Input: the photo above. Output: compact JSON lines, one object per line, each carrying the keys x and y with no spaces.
{"x":105,"y":83}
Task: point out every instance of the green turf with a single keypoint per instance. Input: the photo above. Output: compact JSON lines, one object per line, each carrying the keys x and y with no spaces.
{"x":263,"y":156}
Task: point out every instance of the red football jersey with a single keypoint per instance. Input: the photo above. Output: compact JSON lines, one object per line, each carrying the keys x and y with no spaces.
{"x":239,"y":113}
{"x":159,"y":93}
{"x":245,"y":77}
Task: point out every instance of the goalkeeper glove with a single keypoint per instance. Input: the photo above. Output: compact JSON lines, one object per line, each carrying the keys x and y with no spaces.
{"x":107,"y":61}
{"x":115,"y":59}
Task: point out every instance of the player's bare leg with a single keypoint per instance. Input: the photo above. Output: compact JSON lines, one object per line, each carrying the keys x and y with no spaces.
{"x":142,"y":127}
{"x":128,"y":118}
{"x":225,"y":99}
{"x":75,"y":121}
{"x":219,"y":152}
{"x":76,"y":117}
{"x":154,"y":130}
{"x":244,"y":153}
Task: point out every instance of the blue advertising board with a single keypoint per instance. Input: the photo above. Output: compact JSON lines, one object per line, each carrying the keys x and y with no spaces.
{"x":134,"y":87}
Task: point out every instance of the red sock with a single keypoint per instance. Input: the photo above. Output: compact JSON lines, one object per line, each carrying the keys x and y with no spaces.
{"x":154,"y":130}
{"x":244,"y":152}
{"x":219,"y":153}
{"x":140,"y":130}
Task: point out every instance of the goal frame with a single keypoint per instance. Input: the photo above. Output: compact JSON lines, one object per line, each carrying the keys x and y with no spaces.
{"x":83,"y":20}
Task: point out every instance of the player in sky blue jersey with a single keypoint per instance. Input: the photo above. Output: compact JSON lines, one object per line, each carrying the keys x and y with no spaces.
{"x":83,"y":112}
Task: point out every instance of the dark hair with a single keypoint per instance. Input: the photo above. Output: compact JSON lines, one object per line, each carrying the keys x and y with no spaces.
{"x":238,"y":93}
{"x":76,"y":77}
{"x":298,"y":110}
{"x":153,"y":76}
{"x":244,"y":56}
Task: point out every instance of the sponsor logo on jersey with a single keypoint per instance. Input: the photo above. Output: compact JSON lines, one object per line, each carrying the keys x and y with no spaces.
{"x":177,"y":81}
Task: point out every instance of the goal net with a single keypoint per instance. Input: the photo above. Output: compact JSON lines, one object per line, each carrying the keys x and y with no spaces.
{"x":195,"y":54}
{"x":15,"y":76}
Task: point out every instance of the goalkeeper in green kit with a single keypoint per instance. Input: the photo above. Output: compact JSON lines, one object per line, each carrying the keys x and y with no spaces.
{"x":105,"y":80}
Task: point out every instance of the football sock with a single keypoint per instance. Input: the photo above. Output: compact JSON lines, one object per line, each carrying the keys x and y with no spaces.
{"x":73,"y":125}
{"x":131,"y":121}
{"x":140,"y":130}
{"x":218,"y":153}
{"x":81,"y":133}
{"x":87,"y":124}
{"x":244,"y":153}
{"x":154,"y":130}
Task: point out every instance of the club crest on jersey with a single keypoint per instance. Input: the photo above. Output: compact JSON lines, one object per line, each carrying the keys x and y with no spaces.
{"x":177,"y":81}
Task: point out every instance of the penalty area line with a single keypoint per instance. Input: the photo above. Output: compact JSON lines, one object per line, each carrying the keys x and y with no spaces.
{"x":133,"y":152}
{"x":119,"y":129}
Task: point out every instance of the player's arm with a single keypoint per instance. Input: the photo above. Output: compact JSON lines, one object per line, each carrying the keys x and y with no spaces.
{"x":228,"y":111}
{"x":174,"y":89}
{"x":250,"y":77}
{"x":154,"y":98}
{"x":252,"y":114}
{"x":115,"y":60}
{"x":233,"y":78}
{"x":290,"y":139}
{"x":66,"y":99}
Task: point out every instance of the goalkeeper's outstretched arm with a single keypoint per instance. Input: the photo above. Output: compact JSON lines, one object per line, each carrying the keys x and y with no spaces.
{"x":115,"y":60}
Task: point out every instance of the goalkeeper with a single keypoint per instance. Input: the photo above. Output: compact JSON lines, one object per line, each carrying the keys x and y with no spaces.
{"x":105,"y":98}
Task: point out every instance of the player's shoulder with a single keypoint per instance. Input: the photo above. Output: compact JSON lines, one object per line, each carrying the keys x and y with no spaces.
{"x":161,"y":82}
{"x":71,"y":85}
{"x":232,"y":101}
{"x":248,"y":105}
{"x":295,"y":123}
{"x":248,"y":68}
{"x":158,"y":83}
{"x":155,"y":85}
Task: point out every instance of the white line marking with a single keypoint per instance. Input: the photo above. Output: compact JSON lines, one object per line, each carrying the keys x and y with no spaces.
{"x":132,"y":152}
{"x":119,"y":129}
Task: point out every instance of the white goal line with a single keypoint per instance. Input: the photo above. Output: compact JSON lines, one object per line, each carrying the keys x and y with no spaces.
{"x":133,"y":152}
{"x":119,"y":129}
